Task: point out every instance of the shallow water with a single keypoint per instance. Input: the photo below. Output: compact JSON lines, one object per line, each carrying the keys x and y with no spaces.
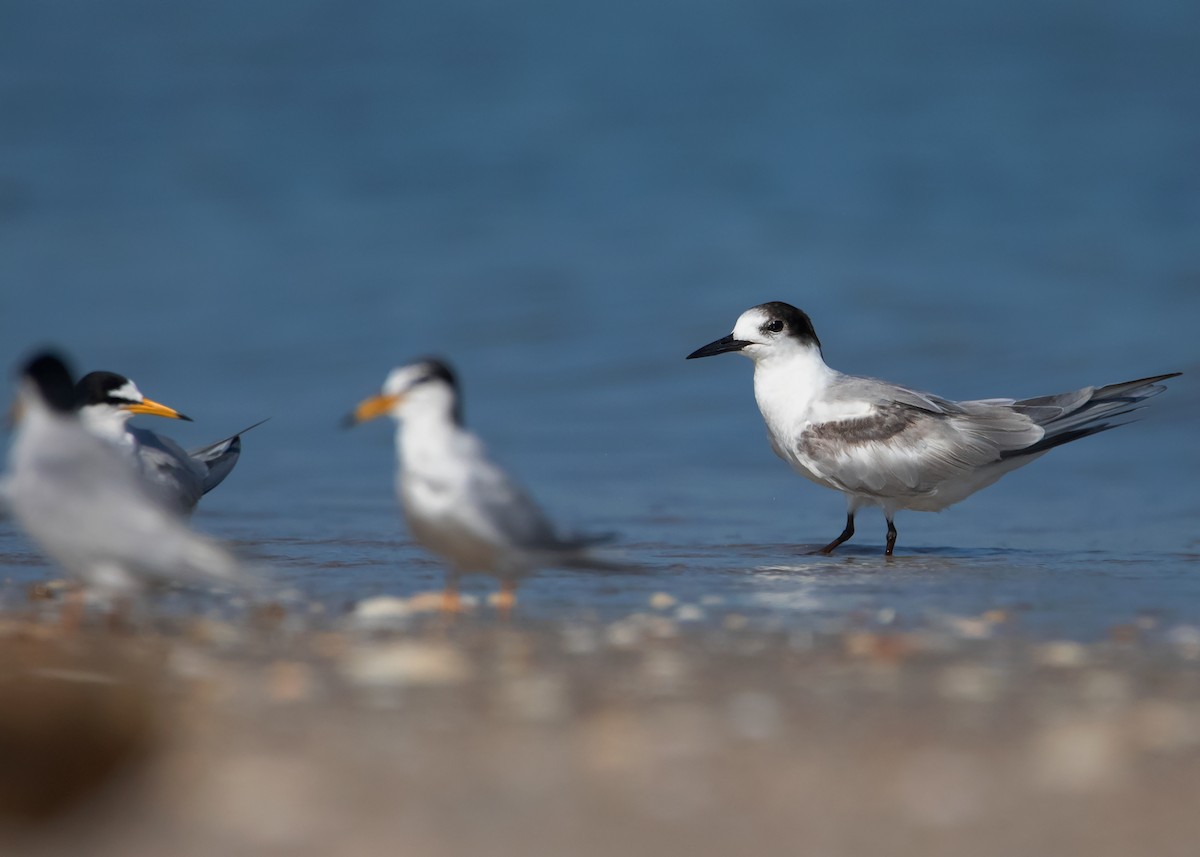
{"x":258,"y":216}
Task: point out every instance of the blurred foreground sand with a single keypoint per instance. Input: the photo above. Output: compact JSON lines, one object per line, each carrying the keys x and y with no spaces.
{"x":671,"y":731}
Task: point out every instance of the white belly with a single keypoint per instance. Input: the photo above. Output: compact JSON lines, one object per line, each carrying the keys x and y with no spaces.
{"x":436,"y":523}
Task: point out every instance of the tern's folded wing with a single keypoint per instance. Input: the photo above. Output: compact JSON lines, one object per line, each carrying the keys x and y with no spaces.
{"x":170,"y":469}
{"x":899,"y":449}
{"x":220,"y":457}
{"x":507,"y":510}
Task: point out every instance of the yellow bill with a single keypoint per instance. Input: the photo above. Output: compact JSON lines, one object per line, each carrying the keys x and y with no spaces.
{"x":154,"y":409}
{"x":370,"y":408}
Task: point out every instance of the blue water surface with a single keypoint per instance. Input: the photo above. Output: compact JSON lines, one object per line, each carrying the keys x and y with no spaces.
{"x":256,"y":209}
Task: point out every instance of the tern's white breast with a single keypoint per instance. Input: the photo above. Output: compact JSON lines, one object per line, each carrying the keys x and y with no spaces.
{"x":791,"y":394}
{"x":434,"y":483}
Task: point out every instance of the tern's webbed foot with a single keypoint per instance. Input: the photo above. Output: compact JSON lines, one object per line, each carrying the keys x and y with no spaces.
{"x":506,"y":599}
{"x":451,"y":602}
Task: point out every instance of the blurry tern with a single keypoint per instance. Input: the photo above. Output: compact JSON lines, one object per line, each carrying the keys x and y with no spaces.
{"x":885,"y":445}
{"x":107,"y":401}
{"x":457,"y":502}
{"x":77,"y":497}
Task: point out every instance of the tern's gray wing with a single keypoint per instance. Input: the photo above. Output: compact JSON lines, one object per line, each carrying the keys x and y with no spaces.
{"x":913,"y":443}
{"x":166,"y":465}
{"x":501,"y":511}
{"x":219,"y":457}
{"x":1069,"y":416}
{"x":850,"y":388}
{"x":506,"y":510}
{"x":511,"y":517}
{"x":909,"y":443}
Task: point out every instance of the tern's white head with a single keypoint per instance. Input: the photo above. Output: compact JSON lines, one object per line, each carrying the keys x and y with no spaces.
{"x":425,"y":389}
{"x":769,"y":330}
{"x":107,"y":401}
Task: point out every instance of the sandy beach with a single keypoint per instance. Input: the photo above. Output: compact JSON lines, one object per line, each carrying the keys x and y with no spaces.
{"x":672,"y":730}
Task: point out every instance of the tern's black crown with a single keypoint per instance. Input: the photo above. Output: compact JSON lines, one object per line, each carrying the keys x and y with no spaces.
{"x":437,"y":369}
{"x":795,"y":323}
{"x":96,"y":388}
{"x":50,"y":374}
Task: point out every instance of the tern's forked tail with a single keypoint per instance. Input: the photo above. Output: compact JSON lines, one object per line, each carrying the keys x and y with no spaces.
{"x":1070,"y":416}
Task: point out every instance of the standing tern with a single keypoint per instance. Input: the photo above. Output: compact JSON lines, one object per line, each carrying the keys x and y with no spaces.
{"x":107,"y":401}
{"x":885,"y":445}
{"x":77,"y":497}
{"x":457,"y":502}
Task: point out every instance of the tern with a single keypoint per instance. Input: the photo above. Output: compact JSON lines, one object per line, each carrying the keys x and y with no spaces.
{"x":458,"y":503}
{"x":77,"y":497}
{"x":885,"y":445}
{"x":107,"y":401}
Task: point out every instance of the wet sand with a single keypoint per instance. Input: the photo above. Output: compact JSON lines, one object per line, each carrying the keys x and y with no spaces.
{"x":670,"y":730}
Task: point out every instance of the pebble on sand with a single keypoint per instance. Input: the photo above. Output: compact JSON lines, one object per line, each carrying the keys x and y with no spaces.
{"x":407,"y":663}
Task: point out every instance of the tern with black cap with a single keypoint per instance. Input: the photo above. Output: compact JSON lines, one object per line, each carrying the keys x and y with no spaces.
{"x":107,"y":401}
{"x":457,"y":502}
{"x":884,"y":445}
{"x":77,"y":497}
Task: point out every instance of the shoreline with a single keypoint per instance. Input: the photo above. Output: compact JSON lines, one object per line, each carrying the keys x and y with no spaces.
{"x":271,"y":734}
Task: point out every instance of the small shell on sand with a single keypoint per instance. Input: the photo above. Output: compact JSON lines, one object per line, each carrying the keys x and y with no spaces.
{"x":407,"y":663}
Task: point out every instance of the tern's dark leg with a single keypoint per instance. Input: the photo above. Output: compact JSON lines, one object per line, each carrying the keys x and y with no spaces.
{"x":846,"y":534}
{"x":891,"y":538}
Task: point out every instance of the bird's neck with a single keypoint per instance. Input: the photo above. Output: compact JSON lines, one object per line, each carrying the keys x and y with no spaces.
{"x":787,"y":385}
{"x":112,"y":426}
{"x":426,"y":437}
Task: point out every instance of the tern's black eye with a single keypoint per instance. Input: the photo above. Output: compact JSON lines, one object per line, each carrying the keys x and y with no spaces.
{"x":774,"y":325}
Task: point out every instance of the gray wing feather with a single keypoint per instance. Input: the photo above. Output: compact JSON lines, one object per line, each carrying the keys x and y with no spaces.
{"x":514,"y":518}
{"x":509,"y":511}
{"x":912,"y":442}
{"x":1069,"y":410}
{"x":218,"y":458}
{"x":219,"y":461}
{"x":170,"y":469}
{"x":1069,"y":416}
{"x":876,"y":392}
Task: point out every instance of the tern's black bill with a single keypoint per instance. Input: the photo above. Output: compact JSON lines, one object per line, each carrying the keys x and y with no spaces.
{"x":727,"y":343}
